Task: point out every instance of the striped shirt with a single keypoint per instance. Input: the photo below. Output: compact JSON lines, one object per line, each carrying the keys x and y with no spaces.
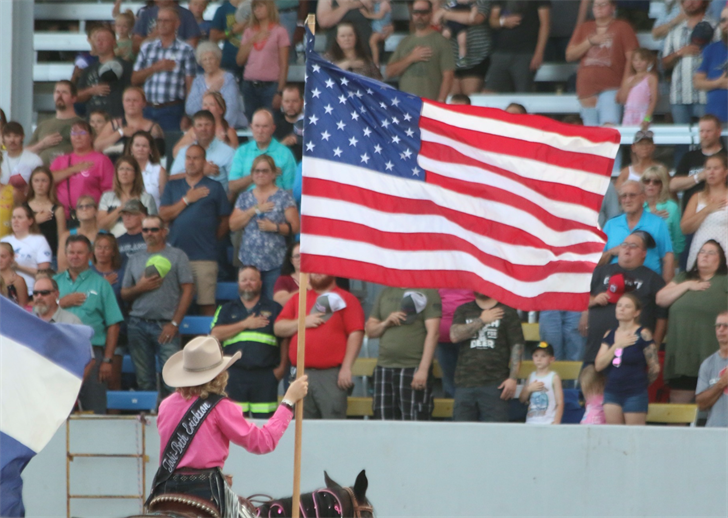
{"x":681,"y":88}
{"x":164,"y":87}
{"x":479,"y":39}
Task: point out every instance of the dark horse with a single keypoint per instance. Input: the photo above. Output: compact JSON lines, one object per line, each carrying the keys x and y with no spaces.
{"x":333,"y":501}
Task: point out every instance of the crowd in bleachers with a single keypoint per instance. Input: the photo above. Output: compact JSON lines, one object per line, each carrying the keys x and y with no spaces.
{"x":96,"y":226}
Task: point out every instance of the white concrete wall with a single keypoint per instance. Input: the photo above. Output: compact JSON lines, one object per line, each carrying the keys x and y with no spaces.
{"x":434,"y":469}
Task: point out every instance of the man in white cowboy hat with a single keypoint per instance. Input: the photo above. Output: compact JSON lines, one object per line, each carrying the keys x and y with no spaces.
{"x":199,"y":410}
{"x":334,"y":333}
{"x":407,"y":323}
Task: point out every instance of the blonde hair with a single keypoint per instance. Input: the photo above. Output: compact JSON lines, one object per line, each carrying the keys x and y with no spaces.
{"x":216,"y":386}
{"x":128,"y":17}
{"x":592,"y":382}
{"x":660,"y":172}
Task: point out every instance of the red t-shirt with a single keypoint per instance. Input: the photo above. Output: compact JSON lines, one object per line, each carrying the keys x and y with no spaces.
{"x":325,"y":344}
{"x":285,"y":283}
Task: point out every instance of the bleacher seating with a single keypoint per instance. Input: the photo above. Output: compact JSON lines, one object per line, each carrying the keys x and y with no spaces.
{"x":141,"y":401}
{"x":195,"y":325}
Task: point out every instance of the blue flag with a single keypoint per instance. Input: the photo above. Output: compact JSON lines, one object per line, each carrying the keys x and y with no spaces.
{"x":41,"y":371}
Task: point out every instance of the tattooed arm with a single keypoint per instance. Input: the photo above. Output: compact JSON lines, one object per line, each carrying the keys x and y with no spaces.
{"x":516,"y":354}
{"x":653,"y":364}
{"x":460,"y":332}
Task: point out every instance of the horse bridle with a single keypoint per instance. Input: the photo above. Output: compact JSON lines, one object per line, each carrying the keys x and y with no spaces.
{"x":358,"y":508}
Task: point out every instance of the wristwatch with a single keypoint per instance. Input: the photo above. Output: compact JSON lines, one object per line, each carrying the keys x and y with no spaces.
{"x":257,"y":210}
{"x":174,"y":323}
{"x":290,"y":405}
{"x":107,"y":360}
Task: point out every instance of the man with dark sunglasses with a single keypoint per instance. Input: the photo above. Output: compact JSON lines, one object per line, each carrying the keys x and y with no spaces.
{"x":423,"y":60}
{"x":158,"y":284}
{"x":45,"y":303}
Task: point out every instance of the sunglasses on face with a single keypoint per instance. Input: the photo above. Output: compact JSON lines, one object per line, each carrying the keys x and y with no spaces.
{"x":421,"y":12}
{"x":85,"y":206}
{"x":42,"y":293}
{"x":631,"y":246}
{"x":147,"y":230}
{"x":653,"y":181}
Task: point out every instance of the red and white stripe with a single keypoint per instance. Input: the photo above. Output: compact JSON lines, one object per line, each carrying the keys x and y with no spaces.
{"x":509,"y":209}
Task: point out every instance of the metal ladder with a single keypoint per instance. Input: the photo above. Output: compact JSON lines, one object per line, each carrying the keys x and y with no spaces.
{"x":141,"y":457}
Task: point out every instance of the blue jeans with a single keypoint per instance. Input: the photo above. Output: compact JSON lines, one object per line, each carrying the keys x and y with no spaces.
{"x":561,"y":330}
{"x":606,"y":111}
{"x":288,"y":21}
{"x":269,"y":279}
{"x":143,"y":346}
{"x":447,"y":356}
{"x":685,"y":113}
{"x":168,"y":117}
{"x":260,"y":96}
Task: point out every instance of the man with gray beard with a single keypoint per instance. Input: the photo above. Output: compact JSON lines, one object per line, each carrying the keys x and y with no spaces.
{"x":246,"y":325}
{"x":45,"y":303}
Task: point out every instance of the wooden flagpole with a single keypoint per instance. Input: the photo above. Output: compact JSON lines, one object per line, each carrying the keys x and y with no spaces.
{"x":300,"y":362}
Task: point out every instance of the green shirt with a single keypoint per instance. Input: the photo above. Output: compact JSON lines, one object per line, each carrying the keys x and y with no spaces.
{"x":49,"y":127}
{"x":100,"y":309}
{"x":424,"y":78}
{"x":282,"y":156}
{"x":401,"y":347}
{"x":673,"y":224}
{"x":691,"y":327}
{"x":484,"y":359}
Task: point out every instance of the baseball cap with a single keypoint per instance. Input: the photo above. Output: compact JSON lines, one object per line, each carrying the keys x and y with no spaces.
{"x":412,"y":303}
{"x":160,"y":263}
{"x":328,"y":304}
{"x":134,"y":206}
{"x":545,"y":346}
{"x":702,"y":34}
{"x":643,"y":135}
{"x":619,"y":284}
{"x":111,"y":71}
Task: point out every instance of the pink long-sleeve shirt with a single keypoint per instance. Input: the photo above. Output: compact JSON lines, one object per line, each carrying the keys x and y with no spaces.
{"x":225,"y":424}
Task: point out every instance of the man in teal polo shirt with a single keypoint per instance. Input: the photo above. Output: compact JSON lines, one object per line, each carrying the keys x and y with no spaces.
{"x":89,"y":296}
{"x":263,"y":142}
{"x":660,"y":259}
{"x":246,"y":325}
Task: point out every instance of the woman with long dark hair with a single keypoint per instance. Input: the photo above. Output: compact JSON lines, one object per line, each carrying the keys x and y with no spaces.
{"x":347,"y":52}
{"x":143,"y":147}
{"x":128,"y":185}
{"x":43,"y":202}
{"x":695,"y":299}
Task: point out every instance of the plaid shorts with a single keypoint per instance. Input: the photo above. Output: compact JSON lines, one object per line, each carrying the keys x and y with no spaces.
{"x":395,"y":399}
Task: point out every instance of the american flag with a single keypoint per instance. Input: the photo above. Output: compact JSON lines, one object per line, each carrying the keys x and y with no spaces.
{"x":407,"y":192}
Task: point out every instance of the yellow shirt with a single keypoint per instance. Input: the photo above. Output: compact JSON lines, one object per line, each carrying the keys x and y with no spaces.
{"x":6,"y":209}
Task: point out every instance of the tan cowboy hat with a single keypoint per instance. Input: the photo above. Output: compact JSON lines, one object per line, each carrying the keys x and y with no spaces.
{"x":199,"y":362}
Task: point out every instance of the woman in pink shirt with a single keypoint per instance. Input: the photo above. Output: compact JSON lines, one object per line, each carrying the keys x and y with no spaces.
{"x":264,"y":52}
{"x":82,"y":172}
{"x":199,"y":372}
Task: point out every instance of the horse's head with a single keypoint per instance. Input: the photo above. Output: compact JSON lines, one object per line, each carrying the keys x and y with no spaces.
{"x":360,"y":506}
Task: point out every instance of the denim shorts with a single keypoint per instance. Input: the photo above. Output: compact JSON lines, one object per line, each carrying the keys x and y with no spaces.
{"x":636,"y":403}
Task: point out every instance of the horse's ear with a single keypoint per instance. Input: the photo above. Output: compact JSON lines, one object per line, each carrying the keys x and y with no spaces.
{"x":330,"y":483}
{"x":361,"y":485}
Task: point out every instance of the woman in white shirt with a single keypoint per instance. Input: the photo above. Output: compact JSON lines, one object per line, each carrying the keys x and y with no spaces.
{"x":128,"y":185}
{"x":141,"y":146}
{"x":32,"y":252}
